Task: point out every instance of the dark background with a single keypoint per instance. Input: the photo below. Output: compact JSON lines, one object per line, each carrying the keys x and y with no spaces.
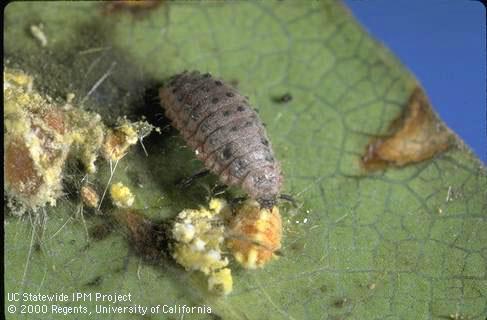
{"x":443,"y":43}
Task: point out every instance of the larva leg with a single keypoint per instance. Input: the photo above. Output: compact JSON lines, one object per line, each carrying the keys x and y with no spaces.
{"x":186,"y":182}
{"x":289,"y":198}
{"x":218,"y":190}
{"x":236,"y":201}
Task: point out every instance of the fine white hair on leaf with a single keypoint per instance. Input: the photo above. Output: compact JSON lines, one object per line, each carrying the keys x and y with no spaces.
{"x":99,"y":82}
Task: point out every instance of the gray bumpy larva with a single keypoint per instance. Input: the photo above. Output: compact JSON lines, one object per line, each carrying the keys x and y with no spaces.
{"x":225,"y":132}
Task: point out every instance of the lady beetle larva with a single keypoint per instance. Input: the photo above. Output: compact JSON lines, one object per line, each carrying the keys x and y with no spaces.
{"x":226,"y":133}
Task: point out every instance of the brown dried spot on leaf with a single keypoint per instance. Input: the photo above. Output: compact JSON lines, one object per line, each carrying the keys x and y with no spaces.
{"x":134,"y":6}
{"x":20,"y":173}
{"x":415,"y":136}
{"x":149,"y":239}
{"x":101,"y":231}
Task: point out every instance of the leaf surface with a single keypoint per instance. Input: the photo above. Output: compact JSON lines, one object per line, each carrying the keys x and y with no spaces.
{"x":398,"y":243}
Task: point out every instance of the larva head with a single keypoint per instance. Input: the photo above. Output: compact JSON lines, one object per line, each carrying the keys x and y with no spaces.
{"x":264,"y":185}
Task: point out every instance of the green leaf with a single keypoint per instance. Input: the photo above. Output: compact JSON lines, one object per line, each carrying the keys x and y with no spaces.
{"x":399,"y":243}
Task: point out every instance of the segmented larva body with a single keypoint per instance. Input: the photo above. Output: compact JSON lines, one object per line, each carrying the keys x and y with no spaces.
{"x":225,"y":132}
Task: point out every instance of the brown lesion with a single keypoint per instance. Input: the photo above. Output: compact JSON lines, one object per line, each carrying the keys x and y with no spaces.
{"x":149,"y":239}
{"x":20,"y":173}
{"x":416,"y":135}
{"x":133,"y":6}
